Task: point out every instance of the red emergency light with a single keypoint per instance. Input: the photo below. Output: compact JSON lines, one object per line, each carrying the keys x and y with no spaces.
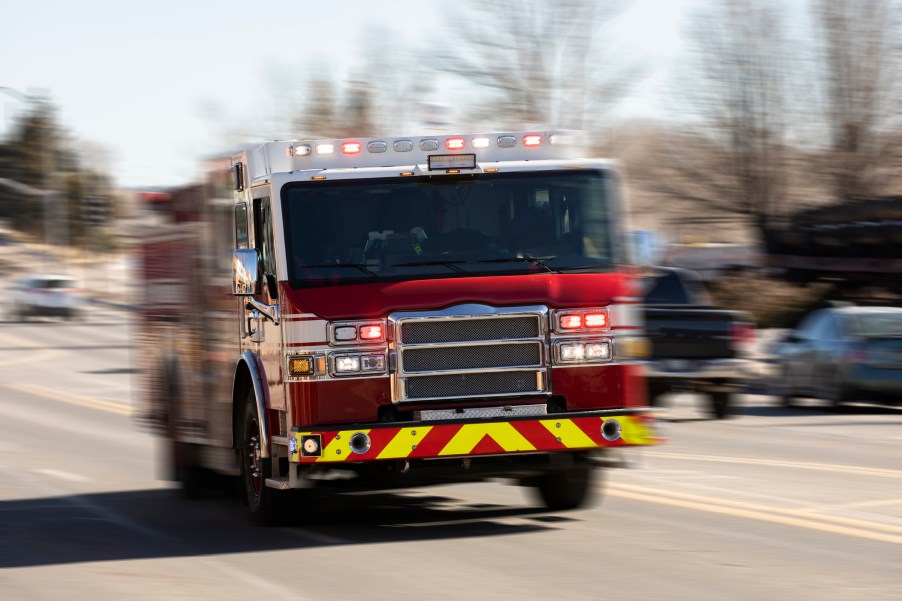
{"x":350,"y":148}
{"x":454,"y":143}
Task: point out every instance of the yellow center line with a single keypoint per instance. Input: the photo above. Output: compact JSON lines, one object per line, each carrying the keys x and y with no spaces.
{"x":801,"y":519}
{"x":824,"y":467}
{"x":34,"y":353}
{"x":71,"y":399}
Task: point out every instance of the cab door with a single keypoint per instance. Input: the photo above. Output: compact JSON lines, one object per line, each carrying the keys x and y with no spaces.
{"x":264,"y":334}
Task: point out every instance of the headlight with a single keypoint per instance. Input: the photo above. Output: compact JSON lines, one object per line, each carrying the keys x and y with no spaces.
{"x":582,"y":351}
{"x":350,"y":364}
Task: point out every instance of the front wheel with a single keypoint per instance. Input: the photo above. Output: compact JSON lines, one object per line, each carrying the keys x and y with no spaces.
{"x":265,"y":504}
{"x":566,"y":489}
{"x":721,"y":404}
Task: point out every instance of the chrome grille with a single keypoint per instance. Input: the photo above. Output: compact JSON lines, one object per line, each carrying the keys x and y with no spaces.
{"x":443,"y":358}
{"x":470,"y":352}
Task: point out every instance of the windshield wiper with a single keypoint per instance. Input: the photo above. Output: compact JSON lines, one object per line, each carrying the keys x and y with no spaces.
{"x":521,"y":258}
{"x":361,"y":266}
{"x":450,"y":264}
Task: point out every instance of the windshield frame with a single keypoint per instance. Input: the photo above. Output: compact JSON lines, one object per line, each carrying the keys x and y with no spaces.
{"x":612,"y":228}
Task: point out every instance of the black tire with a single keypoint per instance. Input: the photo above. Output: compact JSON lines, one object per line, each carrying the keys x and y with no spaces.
{"x":836,"y":392}
{"x":561,"y":490}
{"x":721,"y":404}
{"x":265,"y":505}
{"x":655,"y":393}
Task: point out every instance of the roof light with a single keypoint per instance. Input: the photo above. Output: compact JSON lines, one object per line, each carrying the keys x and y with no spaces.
{"x":507,"y":142}
{"x":318,"y":177}
{"x":429,"y":145}
{"x":597,"y":320}
{"x":571,"y":321}
{"x":532,"y":140}
{"x":350,"y":148}
{"x":325,"y":148}
{"x":403,"y":146}
{"x":480,"y":142}
{"x":376,"y":147}
{"x":302,"y":150}
{"x":491,"y":169}
{"x":407,"y":173}
{"x":454,"y":143}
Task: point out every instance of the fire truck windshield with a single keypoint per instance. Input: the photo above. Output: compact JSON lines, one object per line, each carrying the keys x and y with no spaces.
{"x":348,"y":231}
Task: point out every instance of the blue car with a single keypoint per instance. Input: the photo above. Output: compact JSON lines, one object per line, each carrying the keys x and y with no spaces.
{"x":842,"y":354}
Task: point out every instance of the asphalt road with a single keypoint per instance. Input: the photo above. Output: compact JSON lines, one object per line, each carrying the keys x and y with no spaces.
{"x":773,"y":504}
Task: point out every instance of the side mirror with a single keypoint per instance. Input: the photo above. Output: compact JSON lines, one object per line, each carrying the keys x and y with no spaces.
{"x":246,"y":272}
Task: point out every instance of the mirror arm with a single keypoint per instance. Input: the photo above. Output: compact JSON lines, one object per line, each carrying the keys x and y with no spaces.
{"x":269,"y":311}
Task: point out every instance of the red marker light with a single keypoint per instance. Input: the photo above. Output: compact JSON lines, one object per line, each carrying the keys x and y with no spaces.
{"x":596,"y":320}
{"x":571,"y":322}
{"x":454,"y":143}
{"x":532,"y":140}
{"x":350,"y":147}
{"x":371,"y":332}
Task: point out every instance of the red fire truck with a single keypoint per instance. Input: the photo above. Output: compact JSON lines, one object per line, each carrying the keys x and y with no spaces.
{"x":394,"y":312}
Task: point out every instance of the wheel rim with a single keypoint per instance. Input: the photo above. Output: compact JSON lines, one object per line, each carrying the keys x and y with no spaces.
{"x":252,"y":462}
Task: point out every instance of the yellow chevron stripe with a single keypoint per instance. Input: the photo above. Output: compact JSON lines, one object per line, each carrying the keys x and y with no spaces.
{"x":635,"y":431}
{"x":401,"y":445}
{"x":569,"y":434}
{"x":339,"y":449}
{"x":502,"y":433}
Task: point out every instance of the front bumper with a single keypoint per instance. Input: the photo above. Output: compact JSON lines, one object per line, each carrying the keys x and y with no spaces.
{"x":699,"y":369}
{"x":575,"y":431}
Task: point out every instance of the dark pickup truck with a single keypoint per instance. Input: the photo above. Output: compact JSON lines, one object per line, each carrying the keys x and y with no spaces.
{"x":694,"y":345}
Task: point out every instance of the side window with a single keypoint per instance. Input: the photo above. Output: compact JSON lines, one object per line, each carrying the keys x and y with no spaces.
{"x":264,"y":242}
{"x":828,"y":329}
{"x":810,"y":325}
{"x":241,"y":226}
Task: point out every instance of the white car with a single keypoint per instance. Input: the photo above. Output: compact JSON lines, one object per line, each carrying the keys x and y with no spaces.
{"x":46,"y":295}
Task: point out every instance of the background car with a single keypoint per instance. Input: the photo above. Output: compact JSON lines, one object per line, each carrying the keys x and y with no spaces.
{"x":46,"y":295}
{"x":843,"y":354}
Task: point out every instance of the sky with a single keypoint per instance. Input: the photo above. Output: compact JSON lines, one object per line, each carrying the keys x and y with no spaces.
{"x":156,"y":85}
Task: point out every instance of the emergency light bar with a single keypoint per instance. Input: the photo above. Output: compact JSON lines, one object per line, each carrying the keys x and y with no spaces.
{"x":436,"y":153}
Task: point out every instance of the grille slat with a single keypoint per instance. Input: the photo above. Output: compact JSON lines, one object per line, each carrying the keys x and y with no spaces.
{"x":468,"y":385}
{"x":439,"y":358}
{"x":469,"y":330}
{"x":507,"y":357}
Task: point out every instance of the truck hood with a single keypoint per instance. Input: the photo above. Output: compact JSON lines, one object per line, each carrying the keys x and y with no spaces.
{"x":365,"y":301}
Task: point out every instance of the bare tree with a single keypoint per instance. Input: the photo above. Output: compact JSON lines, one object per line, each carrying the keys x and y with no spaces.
{"x":319,"y":113}
{"x":538,"y":60}
{"x":734,"y":161}
{"x":860,"y":70}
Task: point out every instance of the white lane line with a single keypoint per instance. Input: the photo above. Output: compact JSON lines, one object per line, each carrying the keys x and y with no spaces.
{"x":824,"y":467}
{"x":893,"y":531}
{"x":856,"y":504}
{"x":61,"y":475}
{"x":72,"y":399}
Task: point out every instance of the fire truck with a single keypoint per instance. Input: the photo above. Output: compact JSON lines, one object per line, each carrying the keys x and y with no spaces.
{"x":394,"y":312}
